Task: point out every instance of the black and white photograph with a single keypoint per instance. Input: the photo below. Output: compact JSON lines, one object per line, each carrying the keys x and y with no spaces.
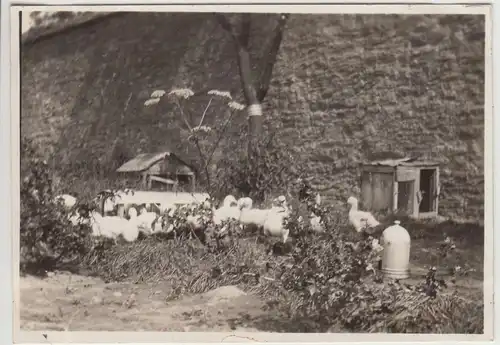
{"x":254,"y":169}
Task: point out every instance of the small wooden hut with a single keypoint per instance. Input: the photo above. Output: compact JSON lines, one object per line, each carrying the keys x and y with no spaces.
{"x":408,"y":186}
{"x":163,"y":171}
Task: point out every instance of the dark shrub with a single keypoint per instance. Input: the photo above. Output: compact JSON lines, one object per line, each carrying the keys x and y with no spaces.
{"x":47,"y":238}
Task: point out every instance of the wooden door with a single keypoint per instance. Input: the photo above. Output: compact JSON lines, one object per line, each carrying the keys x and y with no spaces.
{"x":366,"y":190}
{"x":406,"y":192}
{"x":382,"y":186}
{"x":407,"y":178}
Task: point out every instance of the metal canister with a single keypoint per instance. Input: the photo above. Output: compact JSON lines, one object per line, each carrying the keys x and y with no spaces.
{"x":396,"y":254}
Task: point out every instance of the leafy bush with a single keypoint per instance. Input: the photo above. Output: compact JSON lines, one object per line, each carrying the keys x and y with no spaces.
{"x":47,"y":237}
{"x":336,"y":287}
{"x":265,"y":170}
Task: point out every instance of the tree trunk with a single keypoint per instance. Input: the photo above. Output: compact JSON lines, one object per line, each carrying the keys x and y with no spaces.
{"x":254,"y":96}
{"x":254,"y":108}
{"x":269,"y":59}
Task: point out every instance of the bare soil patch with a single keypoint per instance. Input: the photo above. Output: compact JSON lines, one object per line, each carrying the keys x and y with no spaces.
{"x":66,"y":302}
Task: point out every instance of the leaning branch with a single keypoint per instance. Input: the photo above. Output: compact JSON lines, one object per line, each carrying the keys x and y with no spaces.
{"x":244,"y":38}
{"x":226,"y":25}
{"x":241,"y":41}
{"x":269,"y":59}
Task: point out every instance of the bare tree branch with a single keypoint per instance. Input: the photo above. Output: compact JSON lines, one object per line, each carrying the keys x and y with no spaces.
{"x":205,"y":112}
{"x":244,"y":63}
{"x":226,"y":25}
{"x":186,"y":122}
{"x":246,"y":22}
{"x":203,"y":159}
{"x":196,"y":141}
{"x":269,"y":59}
{"x":209,"y":159}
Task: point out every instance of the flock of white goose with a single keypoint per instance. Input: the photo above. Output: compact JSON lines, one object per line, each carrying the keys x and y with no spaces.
{"x":270,"y":220}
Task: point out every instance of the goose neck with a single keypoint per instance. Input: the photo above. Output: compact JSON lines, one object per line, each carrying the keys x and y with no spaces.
{"x":354,"y":206}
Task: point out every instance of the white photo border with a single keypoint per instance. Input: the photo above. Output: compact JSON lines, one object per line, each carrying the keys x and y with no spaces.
{"x":9,"y":142}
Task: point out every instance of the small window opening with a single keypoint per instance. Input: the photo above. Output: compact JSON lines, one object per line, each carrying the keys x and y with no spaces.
{"x":184,"y":179}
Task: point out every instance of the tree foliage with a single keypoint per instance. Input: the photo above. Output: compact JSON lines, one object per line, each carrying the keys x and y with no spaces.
{"x":47,"y":237}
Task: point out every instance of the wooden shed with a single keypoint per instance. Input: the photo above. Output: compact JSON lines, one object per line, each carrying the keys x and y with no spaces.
{"x":163,"y":171}
{"x":406,"y":185}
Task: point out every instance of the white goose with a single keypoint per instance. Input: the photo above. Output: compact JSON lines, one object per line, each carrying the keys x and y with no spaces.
{"x":360,"y":220}
{"x":146,"y":218}
{"x":273,"y":224}
{"x":131,"y":232}
{"x":67,"y":200}
{"x":228,"y":210}
{"x":245,"y":202}
{"x":108,"y":226}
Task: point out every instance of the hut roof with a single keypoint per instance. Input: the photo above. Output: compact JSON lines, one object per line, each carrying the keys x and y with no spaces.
{"x":144,"y":161}
{"x":37,"y":33}
{"x":408,"y":161}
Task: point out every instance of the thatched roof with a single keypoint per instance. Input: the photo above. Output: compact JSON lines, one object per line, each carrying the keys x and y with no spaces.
{"x":144,"y":161}
{"x":35,"y":34}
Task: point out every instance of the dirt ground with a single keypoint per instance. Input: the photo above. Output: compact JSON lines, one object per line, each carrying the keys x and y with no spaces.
{"x":65,"y":302}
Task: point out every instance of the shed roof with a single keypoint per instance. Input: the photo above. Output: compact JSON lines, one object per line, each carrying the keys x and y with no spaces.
{"x":36,"y":33}
{"x":408,"y":161}
{"x":144,"y":161}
